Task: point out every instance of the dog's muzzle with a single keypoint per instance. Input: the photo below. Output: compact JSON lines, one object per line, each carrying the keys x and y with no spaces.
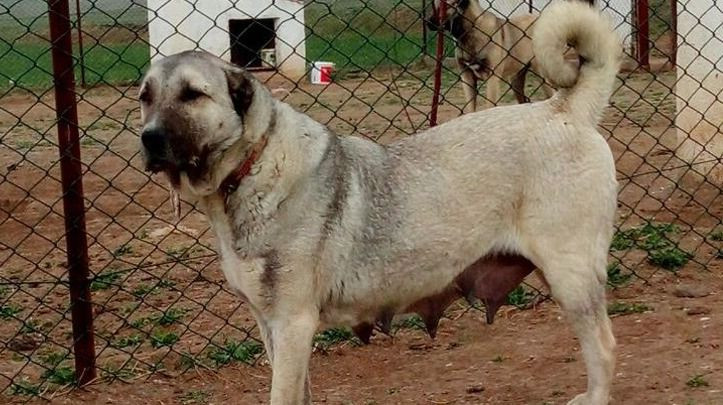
{"x":157,"y":150}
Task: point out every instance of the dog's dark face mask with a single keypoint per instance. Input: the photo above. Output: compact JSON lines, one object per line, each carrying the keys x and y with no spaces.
{"x":451,"y":22}
{"x":192,"y":108}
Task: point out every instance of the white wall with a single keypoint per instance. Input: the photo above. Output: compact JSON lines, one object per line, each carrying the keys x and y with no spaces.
{"x":699,"y":89}
{"x":176,"y":26}
{"x":619,"y":11}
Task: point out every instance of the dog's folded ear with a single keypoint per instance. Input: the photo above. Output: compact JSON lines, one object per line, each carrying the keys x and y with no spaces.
{"x":240,"y":88}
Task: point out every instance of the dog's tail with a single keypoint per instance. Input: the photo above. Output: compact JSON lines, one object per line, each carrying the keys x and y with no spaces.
{"x":585,"y":90}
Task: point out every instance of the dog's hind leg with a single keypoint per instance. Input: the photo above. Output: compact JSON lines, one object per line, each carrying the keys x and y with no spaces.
{"x":580,"y":291}
{"x":291,"y":339}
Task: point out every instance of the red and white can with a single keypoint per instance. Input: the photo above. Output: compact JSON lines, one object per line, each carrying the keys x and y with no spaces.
{"x":321,"y":72}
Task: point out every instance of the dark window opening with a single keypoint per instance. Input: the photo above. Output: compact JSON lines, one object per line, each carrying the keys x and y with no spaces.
{"x":249,"y":38}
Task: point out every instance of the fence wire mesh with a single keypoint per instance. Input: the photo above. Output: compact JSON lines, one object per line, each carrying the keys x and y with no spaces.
{"x":160,"y":302}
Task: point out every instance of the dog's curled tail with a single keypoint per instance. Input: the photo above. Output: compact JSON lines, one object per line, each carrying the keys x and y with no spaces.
{"x":585,"y":90}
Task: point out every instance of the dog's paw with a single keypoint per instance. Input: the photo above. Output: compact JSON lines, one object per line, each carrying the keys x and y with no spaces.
{"x":589,"y":399}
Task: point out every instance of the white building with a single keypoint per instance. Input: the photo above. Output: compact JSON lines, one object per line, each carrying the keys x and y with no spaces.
{"x":253,"y":33}
{"x":620,"y":12}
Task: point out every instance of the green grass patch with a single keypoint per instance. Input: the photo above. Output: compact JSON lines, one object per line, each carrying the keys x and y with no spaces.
{"x":25,"y":388}
{"x":143,"y":290}
{"x":411,"y":322}
{"x":616,"y":276}
{"x":127,"y":341}
{"x":60,"y":375}
{"x":670,"y":258}
{"x":354,"y":51}
{"x":28,"y":64}
{"x":104,"y":281}
{"x":189,"y":360}
{"x":520,"y":297}
{"x":123,"y":250}
{"x":33,"y":326}
{"x":195,"y":397}
{"x":624,"y":308}
{"x":650,"y":236}
{"x":25,"y":145}
{"x":366,"y":35}
{"x":333,"y":336}
{"x":655,"y":239}
{"x":246,"y":352}
{"x":140,"y":323}
{"x":9,"y":310}
{"x":112,"y":372}
{"x":57,"y":373}
{"x":163,"y":338}
{"x":53,"y":359}
{"x":88,"y":140}
{"x":717,"y":236}
{"x":697,"y":381}
{"x":169,"y":317}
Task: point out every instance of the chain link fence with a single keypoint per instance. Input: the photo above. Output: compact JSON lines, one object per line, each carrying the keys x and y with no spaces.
{"x":159,"y":301}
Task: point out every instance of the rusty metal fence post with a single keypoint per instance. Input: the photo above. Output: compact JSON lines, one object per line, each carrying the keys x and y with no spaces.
{"x":674,"y":28}
{"x":81,"y":51}
{"x":441,"y":16}
{"x":642,"y":33}
{"x":72,"y":180}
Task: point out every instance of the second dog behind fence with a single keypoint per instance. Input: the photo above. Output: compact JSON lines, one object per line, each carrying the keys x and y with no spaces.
{"x":492,"y":49}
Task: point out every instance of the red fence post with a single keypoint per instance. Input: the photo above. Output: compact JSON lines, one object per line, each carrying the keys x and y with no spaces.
{"x":441,"y":16}
{"x":642,"y":29}
{"x":674,"y":28}
{"x":72,"y":179}
{"x":81,"y":53}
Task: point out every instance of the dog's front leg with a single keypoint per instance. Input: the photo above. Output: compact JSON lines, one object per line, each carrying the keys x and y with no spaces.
{"x":493,"y":90}
{"x":265,"y":333}
{"x":469,"y":85}
{"x":291,"y":339}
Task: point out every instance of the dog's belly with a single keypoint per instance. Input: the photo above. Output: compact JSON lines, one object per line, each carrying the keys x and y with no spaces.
{"x":489,"y":279}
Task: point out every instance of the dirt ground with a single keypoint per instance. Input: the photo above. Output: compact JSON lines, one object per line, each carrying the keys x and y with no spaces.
{"x":146,"y":267}
{"x":526,"y":357}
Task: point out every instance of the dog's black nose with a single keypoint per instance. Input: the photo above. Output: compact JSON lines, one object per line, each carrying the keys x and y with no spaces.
{"x":155,"y":141}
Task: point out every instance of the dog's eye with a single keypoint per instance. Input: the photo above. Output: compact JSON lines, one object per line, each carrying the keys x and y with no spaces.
{"x":145,"y":96}
{"x":190,"y":94}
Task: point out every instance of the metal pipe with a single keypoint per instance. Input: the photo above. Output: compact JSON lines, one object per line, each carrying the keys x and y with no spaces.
{"x":424,"y":27}
{"x":72,"y":180}
{"x":674,"y":28}
{"x":642,"y":27}
{"x":441,"y":15}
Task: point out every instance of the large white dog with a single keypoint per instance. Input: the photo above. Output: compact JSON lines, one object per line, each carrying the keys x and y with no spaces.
{"x":317,"y":230}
